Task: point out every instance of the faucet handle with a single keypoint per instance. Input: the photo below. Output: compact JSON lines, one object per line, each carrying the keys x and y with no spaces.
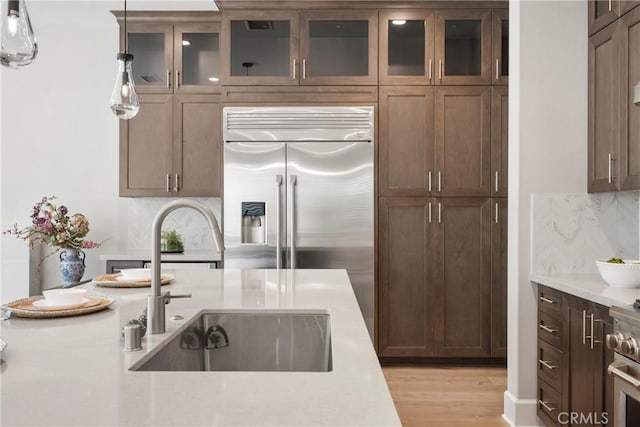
{"x":168,"y":297}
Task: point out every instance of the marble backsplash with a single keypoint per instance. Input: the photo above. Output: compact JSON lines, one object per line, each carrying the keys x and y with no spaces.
{"x":571,"y":231}
{"x":189,"y":223}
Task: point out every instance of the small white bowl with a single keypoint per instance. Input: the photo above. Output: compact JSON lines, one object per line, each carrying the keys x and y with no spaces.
{"x":625,"y":275}
{"x":62,"y":297}
{"x":136,"y":274}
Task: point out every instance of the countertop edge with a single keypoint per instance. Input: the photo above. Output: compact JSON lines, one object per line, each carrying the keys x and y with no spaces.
{"x":588,"y":286}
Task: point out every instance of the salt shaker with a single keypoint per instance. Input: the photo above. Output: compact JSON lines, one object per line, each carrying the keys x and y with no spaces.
{"x":132,"y":337}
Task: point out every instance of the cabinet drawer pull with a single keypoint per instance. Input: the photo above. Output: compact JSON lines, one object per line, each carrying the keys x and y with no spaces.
{"x":304,"y":69}
{"x":547,"y":365}
{"x":430,"y":181}
{"x":177,"y":79}
{"x":497,"y":68}
{"x":610,"y":5}
{"x":440,"y":69}
{"x":547,"y":300}
{"x":439,"y":182}
{"x":168,"y":79}
{"x":293,"y":69}
{"x":430,"y":71}
{"x":168,"y":183}
{"x":548,"y":329}
{"x":176,"y":184}
{"x":546,"y":406}
{"x":584,"y":327}
{"x":439,"y":213}
{"x":497,"y":212}
{"x":497,"y":186}
{"x":610,"y":160}
{"x":429,"y":212}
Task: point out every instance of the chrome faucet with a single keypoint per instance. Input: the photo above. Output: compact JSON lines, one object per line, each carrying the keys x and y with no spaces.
{"x":157,"y":300}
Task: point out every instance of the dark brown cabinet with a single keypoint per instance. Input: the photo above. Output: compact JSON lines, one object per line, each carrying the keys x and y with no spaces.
{"x":500,"y":40}
{"x":406,"y":48}
{"x":499,"y":141}
{"x":462,"y":243}
{"x":602,"y":13}
{"x":463,"y":47}
{"x":462,"y":141}
{"x":405,"y":270}
{"x":406,"y":148}
{"x":572,"y":358}
{"x":604,"y":107}
{"x":499,"y":277}
{"x":173,"y":52}
{"x":306,"y":48}
{"x":172,"y":147}
{"x":629,"y":67}
{"x":424,"y":149}
{"x":444,"y":47}
{"x":431,"y":251}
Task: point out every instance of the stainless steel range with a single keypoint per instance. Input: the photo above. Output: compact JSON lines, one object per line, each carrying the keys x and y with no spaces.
{"x":625,"y":368}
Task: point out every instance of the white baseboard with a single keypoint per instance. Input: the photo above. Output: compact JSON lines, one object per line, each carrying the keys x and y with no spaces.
{"x":520,"y":412}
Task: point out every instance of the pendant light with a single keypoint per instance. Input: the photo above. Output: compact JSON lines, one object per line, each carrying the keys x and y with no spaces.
{"x":18,"y":45}
{"x":124,"y":101}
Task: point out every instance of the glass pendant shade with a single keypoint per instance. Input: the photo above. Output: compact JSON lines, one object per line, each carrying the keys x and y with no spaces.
{"x":124,"y":101}
{"x":18,"y":45}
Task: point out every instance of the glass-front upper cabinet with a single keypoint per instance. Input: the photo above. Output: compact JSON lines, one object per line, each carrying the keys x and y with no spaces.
{"x":463,"y":47}
{"x":152,"y":49}
{"x":406,"y":48}
{"x":500,"y":47}
{"x":260,"y":48}
{"x":173,"y":58}
{"x":287,"y":48}
{"x":339,"y":48}
{"x":197,"y":57}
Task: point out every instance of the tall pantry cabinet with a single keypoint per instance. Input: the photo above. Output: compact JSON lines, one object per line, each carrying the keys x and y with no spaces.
{"x":442,"y":184}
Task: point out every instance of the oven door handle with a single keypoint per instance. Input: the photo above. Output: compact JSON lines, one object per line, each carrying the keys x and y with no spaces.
{"x":619,"y":369}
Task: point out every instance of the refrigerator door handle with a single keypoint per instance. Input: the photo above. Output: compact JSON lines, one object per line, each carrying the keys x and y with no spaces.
{"x":278,"y":221}
{"x":293,"y":181}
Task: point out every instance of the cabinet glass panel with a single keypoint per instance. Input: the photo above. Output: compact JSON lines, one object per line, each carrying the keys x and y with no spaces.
{"x":260,"y":48}
{"x":148,"y":59}
{"x":504,"y":66}
{"x":406,"y":48}
{"x":338,"y":48}
{"x":200,"y":59}
{"x":602,"y":7}
{"x":463,"y":47}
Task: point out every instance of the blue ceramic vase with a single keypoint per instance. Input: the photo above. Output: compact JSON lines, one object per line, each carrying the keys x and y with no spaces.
{"x":71,"y":266}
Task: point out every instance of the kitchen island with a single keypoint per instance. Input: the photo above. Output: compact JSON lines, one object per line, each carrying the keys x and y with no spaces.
{"x":73,"y":371}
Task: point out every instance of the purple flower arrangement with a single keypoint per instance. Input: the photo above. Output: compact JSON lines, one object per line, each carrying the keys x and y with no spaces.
{"x":51,"y":225}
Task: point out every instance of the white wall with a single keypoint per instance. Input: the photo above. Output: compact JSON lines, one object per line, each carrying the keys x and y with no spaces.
{"x":547,"y":153}
{"x":58,"y":135}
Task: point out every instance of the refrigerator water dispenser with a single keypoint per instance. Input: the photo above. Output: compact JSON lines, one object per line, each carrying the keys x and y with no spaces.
{"x":253,"y":223}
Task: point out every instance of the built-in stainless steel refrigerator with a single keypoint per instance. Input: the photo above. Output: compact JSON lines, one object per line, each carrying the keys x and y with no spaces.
{"x":298,"y":191}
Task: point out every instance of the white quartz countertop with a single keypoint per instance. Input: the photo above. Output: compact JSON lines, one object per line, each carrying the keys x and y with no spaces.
{"x":590,"y":287}
{"x":145,"y":255}
{"x":73,"y":372}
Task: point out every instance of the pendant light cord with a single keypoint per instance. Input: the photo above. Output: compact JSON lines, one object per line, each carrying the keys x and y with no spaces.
{"x":126,"y":35}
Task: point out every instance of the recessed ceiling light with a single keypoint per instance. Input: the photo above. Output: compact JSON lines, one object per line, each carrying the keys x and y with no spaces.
{"x":186,"y":43}
{"x":399,"y":21}
{"x":214,"y":79}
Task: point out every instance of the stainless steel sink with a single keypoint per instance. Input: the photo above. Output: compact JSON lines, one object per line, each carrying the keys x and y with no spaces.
{"x":246,"y":341}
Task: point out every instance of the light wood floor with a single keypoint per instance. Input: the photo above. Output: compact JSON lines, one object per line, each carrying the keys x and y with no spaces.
{"x":448,"y":396}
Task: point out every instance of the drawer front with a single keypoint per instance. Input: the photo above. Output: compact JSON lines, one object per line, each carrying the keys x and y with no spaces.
{"x":549,"y":300}
{"x":548,"y":404}
{"x":550,"y":365}
{"x":550,"y":329}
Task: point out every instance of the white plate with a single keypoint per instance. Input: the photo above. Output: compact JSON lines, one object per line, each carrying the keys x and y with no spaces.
{"x":44,"y":304}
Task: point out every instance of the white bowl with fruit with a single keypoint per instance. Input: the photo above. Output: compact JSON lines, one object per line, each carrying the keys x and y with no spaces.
{"x":620,"y":273}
